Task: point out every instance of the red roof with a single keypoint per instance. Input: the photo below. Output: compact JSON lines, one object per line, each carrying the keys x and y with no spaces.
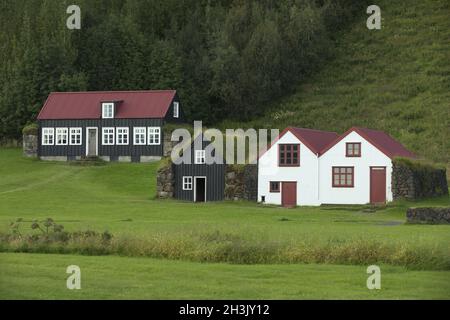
{"x":87,"y":105}
{"x":315,"y":140}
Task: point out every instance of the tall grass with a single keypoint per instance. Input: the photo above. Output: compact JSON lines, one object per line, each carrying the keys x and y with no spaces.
{"x":233,"y":248}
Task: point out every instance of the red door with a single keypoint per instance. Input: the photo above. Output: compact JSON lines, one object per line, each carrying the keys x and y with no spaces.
{"x":289,"y":194}
{"x":377,"y":185}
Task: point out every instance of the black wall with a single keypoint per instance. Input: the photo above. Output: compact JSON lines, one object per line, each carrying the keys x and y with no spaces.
{"x":103,"y":150}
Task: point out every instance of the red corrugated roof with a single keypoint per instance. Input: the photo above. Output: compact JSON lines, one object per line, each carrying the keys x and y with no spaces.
{"x":87,"y":105}
{"x":316,"y":140}
{"x":379,"y":139}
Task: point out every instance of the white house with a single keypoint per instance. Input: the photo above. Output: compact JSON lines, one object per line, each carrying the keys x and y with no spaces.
{"x":313,"y":167}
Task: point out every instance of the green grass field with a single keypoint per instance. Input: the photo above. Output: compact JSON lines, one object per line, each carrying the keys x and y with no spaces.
{"x":394,"y":79}
{"x":186,"y":238}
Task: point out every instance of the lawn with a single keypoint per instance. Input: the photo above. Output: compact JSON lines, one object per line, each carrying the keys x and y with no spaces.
{"x":119,"y":198}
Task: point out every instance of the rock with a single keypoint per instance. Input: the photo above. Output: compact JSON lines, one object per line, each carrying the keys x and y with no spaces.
{"x":438,"y":215}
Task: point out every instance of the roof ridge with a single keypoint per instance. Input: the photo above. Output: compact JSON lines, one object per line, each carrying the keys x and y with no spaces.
{"x":316,"y":130}
{"x":118,"y":91}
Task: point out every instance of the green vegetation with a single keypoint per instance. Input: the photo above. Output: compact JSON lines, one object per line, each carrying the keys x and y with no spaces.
{"x":394,"y":79}
{"x":38,"y":276}
{"x":30,"y":129}
{"x":224,"y":57}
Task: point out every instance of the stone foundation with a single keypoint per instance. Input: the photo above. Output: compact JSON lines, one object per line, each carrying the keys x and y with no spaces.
{"x":428,"y":215}
{"x":150,"y":158}
{"x":165,"y":181}
{"x":53,"y":158}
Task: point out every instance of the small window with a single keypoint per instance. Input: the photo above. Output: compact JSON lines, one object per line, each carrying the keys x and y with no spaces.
{"x":353,"y":149}
{"x":274,"y":186}
{"x":75,"y":136}
{"x":154,"y":135}
{"x":199,"y":156}
{"x":289,"y":155}
{"x":187,"y":183}
{"x":108,"y":136}
{"x":61,"y":136}
{"x":107,"y":110}
{"x":48,"y":136}
{"x":140,"y":137}
{"x":176,"y":109}
{"x":122,"y":136}
{"x":343,"y":177}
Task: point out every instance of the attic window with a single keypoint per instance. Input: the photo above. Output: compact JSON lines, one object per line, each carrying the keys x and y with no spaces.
{"x":176,"y":109}
{"x":108,"y":110}
{"x":353,"y":149}
{"x":289,"y":155}
{"x":199,"y":156}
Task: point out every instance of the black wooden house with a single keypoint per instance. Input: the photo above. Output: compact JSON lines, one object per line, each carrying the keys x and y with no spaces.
{"x":203,"y":179}
{"x":114,"y":125}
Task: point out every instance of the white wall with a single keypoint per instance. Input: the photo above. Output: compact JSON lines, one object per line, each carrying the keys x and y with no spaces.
{"x":360,"y":193}
{"x":305,"y":175}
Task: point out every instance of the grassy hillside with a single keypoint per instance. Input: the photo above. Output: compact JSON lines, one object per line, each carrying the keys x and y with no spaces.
{"x":395,"y":79}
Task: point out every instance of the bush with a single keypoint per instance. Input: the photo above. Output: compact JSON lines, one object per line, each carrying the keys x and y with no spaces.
{"x":30,"y":129}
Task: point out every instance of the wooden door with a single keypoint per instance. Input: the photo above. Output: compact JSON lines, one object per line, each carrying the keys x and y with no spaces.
{"x":289,"y":194}
{"x":377,"y":185}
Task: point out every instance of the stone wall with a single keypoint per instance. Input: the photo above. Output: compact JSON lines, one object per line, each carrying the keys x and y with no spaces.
{"x":168,"y":144}
{"x":241,"y":182}
{"x":30,"y":145}
{"x":165,"y":181}
{"x":428,"y":215}
{"x":412,"y":180}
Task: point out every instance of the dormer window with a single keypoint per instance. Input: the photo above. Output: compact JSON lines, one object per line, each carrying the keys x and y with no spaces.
{"x":176,"y":109}
{"x":107,"y":110}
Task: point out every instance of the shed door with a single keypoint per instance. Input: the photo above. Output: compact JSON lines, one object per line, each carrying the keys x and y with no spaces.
{"x":289,"y":194}
{"x":377,"y":185}
{"x":92,"y":142}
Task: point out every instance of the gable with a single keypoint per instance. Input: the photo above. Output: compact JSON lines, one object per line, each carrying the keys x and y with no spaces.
{"x":87,"y":105}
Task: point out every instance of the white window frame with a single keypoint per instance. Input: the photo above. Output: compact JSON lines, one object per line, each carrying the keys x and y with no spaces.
{"x":73,"y":133}
{"x":200,"y":156}
{"x":187,"y":183}
{"x":136,"y":133}
{"x":63,"y":132}
{"x":46,"y":134}
{"x":105,"y":114}
{"x":155,"y":133}
{"x":125,"y":134}
{"x":108,"y":143}
{"x":176,"y":109}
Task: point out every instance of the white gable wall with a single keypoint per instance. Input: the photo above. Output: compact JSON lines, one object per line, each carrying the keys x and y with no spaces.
{"x":335,"y":157}
{"x":306,"y":175}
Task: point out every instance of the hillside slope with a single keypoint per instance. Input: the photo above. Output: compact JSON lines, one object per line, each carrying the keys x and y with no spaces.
{"x":395,"y":79}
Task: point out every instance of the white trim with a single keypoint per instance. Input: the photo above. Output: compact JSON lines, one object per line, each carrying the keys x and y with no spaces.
{"x":126,"y":132}
{"x":176,"y":109}
{"x":195,"y":187}
{"x":87,"y":140}
{"x":65,"y":133}
{"x":104,"y":114}
{"x":50,"y":133}
{"x":156,"y":132}
{"x":144,"y":133}
{"x":200,"y":157}
{"x":72,"y":134}
{"x":109,"y":133}
{"x":191,"y":182}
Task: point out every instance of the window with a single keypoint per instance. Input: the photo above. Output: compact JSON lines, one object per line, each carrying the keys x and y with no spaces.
{"x":353,"y":149}
{"x":140,"y":136}
{"x":176,"y":109}
{"x":274,"y":186}
{"x":75,"y":136}
{"x":61,"y":136}
{"x":289,"y":155}
{"x":48,"y":136}
{"x":108,"y":136}
{"x":187,"y":183}
{"x":154,"y":135}
{"x":108,"y":110}
{"x":199,"y":156}
{"x":343,"y":176}
{"x":122,"y":136}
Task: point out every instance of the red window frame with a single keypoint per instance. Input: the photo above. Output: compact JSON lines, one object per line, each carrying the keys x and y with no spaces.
{"x":342,"y":177}
{"x":283,"y":153}
{"x":347,"y":154}
{"x":277,"y":189}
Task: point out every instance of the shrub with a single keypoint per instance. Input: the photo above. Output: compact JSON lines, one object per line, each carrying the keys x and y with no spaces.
{"x":30,"y":129}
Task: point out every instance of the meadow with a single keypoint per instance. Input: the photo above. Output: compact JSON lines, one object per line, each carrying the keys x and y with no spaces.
{"x":325,"y":248}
